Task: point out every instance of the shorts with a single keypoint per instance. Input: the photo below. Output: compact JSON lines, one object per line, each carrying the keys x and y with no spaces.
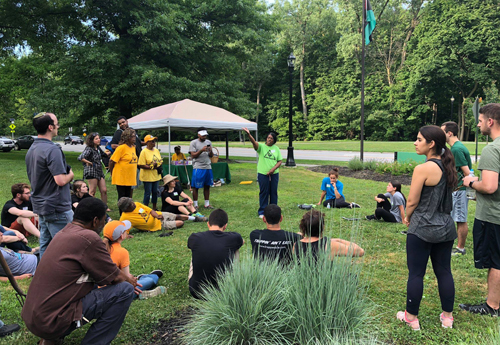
{"x":201,"y":178}
{"x":460,"y":206}
{"x":168,"y":221}
{"x":486,"y":237}
{"x":19,"y":227}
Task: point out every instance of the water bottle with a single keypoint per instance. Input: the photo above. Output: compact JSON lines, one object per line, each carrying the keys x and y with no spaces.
{"x":328,"y":206}
{"x":470,"y":192}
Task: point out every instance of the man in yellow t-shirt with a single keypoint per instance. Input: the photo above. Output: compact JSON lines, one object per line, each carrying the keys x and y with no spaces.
{"x":144,"y":218}
{"x":178,"y":155}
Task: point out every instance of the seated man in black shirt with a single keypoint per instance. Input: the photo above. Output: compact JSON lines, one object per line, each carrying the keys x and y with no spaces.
{"x":273,"y":242}
{"x":212,"y":250}
{"x":17,"y":213}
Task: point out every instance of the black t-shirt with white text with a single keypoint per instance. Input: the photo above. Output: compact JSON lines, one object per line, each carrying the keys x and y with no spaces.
{"x":273,"y":243}
{"x":212,"y":251}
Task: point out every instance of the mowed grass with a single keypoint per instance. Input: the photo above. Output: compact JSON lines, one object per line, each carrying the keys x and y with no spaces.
{"x":340,"y":145}
{"x":384,"y":265}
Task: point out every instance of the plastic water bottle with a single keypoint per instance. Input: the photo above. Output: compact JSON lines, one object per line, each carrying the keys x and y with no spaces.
{"x":470,"y":192}
{"x":328,"y":206}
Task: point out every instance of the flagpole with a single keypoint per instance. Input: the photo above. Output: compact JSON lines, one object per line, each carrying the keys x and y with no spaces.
{"x":363,"y":82}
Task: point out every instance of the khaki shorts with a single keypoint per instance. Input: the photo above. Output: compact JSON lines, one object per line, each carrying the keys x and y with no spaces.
{"x":168,"y":221}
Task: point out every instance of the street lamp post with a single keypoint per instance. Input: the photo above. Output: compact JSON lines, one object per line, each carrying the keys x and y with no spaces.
{"x":290,"y":162}
{"x":451,"y":114}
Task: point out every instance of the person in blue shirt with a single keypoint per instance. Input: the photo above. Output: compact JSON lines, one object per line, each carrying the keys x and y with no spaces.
{"x":333,"y":189}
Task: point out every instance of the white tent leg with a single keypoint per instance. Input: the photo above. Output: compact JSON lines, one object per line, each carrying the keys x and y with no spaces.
{"x":169,"y":148}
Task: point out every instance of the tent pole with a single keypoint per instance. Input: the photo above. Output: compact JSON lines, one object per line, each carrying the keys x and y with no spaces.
{"x":169,"y":147}
{"x":227,"y":146}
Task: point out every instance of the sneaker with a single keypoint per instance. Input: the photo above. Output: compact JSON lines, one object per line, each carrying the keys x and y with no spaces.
{"x":261,"y":216}
{"x":371,"y":217}
{"x":200,"y":219}
{"x":152,"y":293}
{"x":482,"y":309}
{"x":198,"y":214}
{"x":457,"y":251}
{"x":404,"y":232}
{"x":354,"y":205}
{"x":159,"y":273}
{"x":9,"y":329}
{"x":165,"y":234}
{"x":209,"y":207}
{"x":415,"y":325}
{"x":446,"y":322}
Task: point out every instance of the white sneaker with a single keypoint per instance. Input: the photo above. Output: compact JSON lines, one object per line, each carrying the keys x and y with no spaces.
{"x":261,"y":216}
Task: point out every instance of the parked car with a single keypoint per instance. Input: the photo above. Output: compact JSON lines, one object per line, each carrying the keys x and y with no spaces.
{"x":105,"y":140}
{"x":6,"y":144}
{"x":24,"y":142}
{"x":73,"y":140}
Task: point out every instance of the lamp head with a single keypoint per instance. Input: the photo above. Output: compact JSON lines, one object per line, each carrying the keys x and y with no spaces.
{"x":291,"y":61}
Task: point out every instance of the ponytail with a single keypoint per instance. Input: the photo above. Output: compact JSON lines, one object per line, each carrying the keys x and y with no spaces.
{"x":108,"y":244}
{"x":397,"y":185}
{"x":449,"y":168}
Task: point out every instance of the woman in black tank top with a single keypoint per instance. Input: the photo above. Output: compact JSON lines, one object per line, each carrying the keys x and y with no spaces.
{"x":311,"y":227}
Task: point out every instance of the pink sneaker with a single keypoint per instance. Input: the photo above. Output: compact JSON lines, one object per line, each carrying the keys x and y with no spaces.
{"x":415,"y":325}
{"x":446,"y":322}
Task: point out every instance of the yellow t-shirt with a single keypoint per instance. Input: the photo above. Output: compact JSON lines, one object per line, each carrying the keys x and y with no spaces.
{"x":178,"y":157}
{"x":125,"y":170}
{"x":149,"y":157}
{"x":141,"y":218}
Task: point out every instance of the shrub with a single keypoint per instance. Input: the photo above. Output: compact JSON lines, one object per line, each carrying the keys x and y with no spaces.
{"x":370,"y":165}
{"x":396,"y":168}
{"x":355,"y":164}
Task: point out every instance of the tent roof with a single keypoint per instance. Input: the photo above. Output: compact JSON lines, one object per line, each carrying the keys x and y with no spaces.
{"x":189,"y":114}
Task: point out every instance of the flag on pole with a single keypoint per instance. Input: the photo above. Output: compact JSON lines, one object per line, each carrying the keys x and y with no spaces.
{"x":370,"y":22}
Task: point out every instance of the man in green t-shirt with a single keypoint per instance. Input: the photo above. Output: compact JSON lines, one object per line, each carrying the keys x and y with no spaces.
{"x":463,"y":165}
{"x":486,"y":232}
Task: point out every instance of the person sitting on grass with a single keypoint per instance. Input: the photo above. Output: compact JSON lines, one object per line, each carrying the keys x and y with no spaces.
{"x":21,"y":265}
{"x":171,"y":195}
{"x":213,"y":251}
{"x":391,"y":205}
{"x":114,"y":233}
{"x":17,"y":213}
{"x":311,"y":227}
{"x":79,"y":191}
{"x":273,"y":242}
{"x":333,"y":189}
{"x":144,"y":218}
{"x":15,"y":241}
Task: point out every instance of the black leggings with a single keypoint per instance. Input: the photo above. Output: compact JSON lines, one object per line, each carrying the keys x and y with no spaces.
{"x":417,"y":255}
{"x":383,"y":210}
{"x":336,"y":203}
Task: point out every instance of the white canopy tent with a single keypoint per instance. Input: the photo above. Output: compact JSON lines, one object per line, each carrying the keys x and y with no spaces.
{"x":188,"y":114}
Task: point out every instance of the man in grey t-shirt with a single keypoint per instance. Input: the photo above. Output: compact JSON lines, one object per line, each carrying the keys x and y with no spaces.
{"x":201,"y":151}
{"x":49,"y":176}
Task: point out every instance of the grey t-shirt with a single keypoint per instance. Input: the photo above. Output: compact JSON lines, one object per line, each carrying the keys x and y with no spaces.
{"x":45,"y":160}
{"x":396,"y":200}
{"x":203,"y":161}
{"x":18,"y":263}
{"x":488,"y":205}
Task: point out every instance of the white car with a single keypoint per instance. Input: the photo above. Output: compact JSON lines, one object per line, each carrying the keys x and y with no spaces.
{"x":6,"y":144}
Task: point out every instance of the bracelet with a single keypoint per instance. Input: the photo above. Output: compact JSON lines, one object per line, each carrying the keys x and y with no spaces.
{"x":470,"y":184}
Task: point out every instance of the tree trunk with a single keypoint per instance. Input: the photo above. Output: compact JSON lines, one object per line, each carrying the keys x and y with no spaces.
{"x":302,"y":88}
{"x":258,"y":103}
{"x":434,"y":113}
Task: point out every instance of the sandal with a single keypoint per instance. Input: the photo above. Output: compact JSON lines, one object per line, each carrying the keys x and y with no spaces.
{"x":415,"y":325}
{"x":446,"y":322}
{"x":209,"y":207}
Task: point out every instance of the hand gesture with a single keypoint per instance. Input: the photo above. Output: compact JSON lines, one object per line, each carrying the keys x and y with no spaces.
{"x":246,"y":130}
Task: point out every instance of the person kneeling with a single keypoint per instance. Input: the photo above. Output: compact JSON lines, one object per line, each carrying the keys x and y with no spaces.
{"x":213,"y":251}
{"x":114,"y":233}
{"x":144,"y":218}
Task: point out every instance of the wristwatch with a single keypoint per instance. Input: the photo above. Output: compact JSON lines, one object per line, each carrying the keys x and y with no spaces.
{"x":471,"y":182}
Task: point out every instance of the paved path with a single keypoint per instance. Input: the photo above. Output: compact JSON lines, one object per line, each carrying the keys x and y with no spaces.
{"x":298,"y":154}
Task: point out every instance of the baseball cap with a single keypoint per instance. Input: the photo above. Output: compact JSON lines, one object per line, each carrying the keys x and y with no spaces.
{"x":114,"y":229}
{"x":149,"y":137}
{"x":203,"y":132}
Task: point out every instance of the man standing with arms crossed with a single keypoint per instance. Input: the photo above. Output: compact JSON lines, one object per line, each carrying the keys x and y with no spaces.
{"x":201,"y":151}
{"x":463,"y":165}
{"x":49,"y":176}
{"x":486,"y":232}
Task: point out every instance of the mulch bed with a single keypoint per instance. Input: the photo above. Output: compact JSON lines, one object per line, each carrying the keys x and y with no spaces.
{"x":363,"y":174}
{"x":169,"y":332}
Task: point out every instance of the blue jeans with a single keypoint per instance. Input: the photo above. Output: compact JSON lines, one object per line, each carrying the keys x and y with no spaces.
{"x":268,"y":194}
{"x":150,"y":190}
{"x":148,"y":281}
{"x":50,"y":225}
{"x":15,"y":246}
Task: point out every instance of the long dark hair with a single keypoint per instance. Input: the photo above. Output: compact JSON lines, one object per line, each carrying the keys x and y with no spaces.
{"x":436,"y":134}
{"x":397,"y":185}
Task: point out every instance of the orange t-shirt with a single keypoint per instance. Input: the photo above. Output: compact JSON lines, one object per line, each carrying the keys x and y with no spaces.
{"x":119,"y":255}
{"x":125,"y":170}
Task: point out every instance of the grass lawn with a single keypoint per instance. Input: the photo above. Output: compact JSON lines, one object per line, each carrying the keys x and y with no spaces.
{"x":341,"y":145}
{"x":384,"y":263}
